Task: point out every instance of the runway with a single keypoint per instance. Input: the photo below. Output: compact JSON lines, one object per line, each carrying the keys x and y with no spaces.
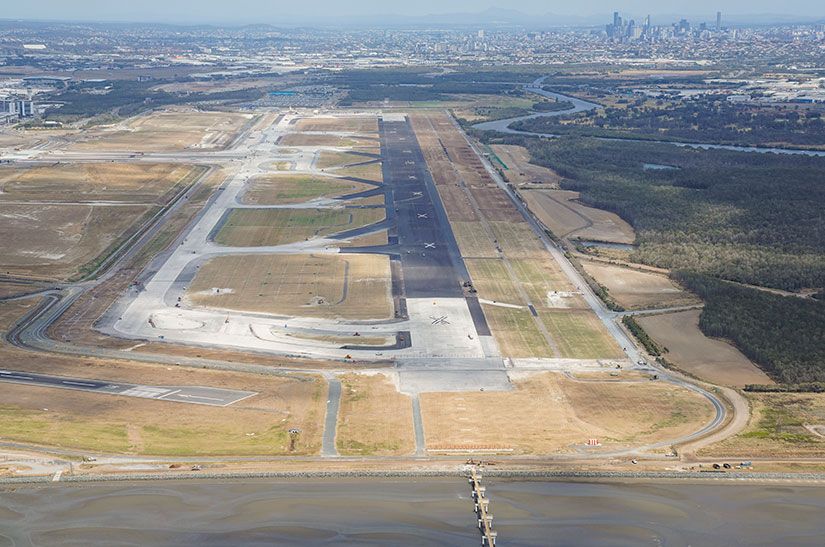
{"x":199,"y":395}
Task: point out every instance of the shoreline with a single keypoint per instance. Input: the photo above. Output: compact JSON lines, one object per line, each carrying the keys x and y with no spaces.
{"x":697,"y":477}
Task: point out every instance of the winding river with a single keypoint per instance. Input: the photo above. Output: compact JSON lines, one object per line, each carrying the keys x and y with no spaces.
{"x":579,"y":105}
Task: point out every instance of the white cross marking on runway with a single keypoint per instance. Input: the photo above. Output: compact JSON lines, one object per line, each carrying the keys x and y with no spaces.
{"x":422,"y":215}
{"x":429,"y":245}
{"x":418,"y":194}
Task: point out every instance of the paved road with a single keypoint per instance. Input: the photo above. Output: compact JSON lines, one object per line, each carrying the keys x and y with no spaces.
{"x":328,"y":447}
{"x":182,"y":394}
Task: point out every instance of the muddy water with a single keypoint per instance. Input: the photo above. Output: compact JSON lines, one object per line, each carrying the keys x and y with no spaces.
{"x":408,"y":512}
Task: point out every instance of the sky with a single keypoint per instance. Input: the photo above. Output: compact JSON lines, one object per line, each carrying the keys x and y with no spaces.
{"x":271,"y":11}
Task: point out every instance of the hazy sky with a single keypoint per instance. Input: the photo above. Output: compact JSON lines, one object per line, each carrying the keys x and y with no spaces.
{"x":270,"y":11}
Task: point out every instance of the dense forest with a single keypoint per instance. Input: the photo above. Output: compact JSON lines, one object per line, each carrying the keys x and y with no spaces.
{"x":711,"y":119}
{"x":753,"y":218}
{"x":129,"y":97}
{"x":783,"y":334}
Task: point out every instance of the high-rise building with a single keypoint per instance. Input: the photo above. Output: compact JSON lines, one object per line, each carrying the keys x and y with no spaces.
{"x":718,"y":21}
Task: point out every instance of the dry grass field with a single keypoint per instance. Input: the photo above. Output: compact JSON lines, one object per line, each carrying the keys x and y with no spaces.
{"x":330,"y":159}
{"x":96,"y":422}
{"x":547,"y":413}
{"x":264,"y":227}
{"x":336,"y":141}
{"x":56,"y":241}
{"x":580,"y":334}
{"x":711,"y":360}
{"x":456,"y":203}
{"x":518,"y":240}
{"x":545,"y":284}
{"x":343,"y":124}
{"x":782,"y":425}
{"x":516,"y":332}
{"x":635,"y":289}
{"x":11,"y":288}
{"x":11,"y":311}
{"x":565,"y":217}
{"x":347,"y":286}
{"x":130,"y":182}
{"x":374,"y":418}
{"x":286,"y":189}
{"x":368,"y":171}
{"x":495,"y":205}
{"x":519,"y":171}
{"x":473,"y":240}
{"x":492,"y":280}
{"x":177,"y":129}
{"x":16,"y":139}
{"x":368,"y":240}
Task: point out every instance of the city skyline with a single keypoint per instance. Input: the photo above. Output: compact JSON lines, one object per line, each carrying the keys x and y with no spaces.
{"x":373,"y":12}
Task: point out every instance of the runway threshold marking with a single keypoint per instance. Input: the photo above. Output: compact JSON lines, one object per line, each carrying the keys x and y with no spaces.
{"x":222,"y":398}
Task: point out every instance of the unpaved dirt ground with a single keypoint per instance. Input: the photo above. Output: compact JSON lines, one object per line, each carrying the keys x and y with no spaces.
{"x":11,"y":139}
{"x":520,"y":171}
{"x":374,"y":418}
{"x":712,"y":360}
{"x":636,"y":289}
{"x":264,"y":227}
{"x":173,"y":129}
{"x":55,"y":241}
{"x":312,"y":139}
{"x":346,"y":286}
{"x":127,"y":182}
{"x":565,"y":217}
{"x":349,"y":124}
{"x":547,"y":413}
{"x":11,"y":312}
{"x":286,"y":189}
{"x":97,"y":422}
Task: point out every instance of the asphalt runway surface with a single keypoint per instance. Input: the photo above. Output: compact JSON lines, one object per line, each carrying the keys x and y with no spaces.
{"x":182,"y":394}
{"x":420,"y":233}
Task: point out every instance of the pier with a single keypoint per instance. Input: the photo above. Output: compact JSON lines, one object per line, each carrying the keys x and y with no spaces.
{"x":482,"y":509}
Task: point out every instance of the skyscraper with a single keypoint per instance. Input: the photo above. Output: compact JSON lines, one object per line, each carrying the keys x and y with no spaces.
{"x":718,"y":21}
